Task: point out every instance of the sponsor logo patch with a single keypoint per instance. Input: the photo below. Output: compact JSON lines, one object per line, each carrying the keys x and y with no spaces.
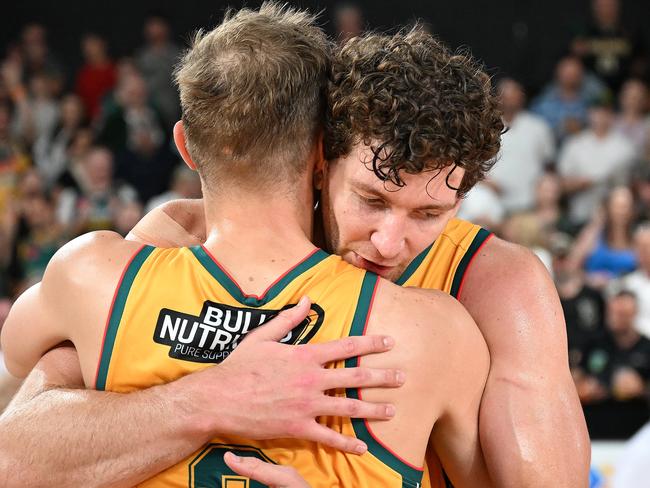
{"x":218,"y":330}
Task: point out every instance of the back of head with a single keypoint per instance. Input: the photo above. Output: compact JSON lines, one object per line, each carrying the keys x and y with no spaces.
{"x":252,"y":95}
{"x":418,"y":105}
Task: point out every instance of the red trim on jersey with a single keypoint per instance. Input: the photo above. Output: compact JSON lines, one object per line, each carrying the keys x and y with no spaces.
{"x":110,"y":312}
{"x":261,"y":297}
{"x":372,"y":434}
{"x":462,"y":281}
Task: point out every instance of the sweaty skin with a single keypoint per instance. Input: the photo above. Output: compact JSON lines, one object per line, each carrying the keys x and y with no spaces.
{"x":41,"y":318}
{"x":530,"y":411}
{"x":67,"y":306}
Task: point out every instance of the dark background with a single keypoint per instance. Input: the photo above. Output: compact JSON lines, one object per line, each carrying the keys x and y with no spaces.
{"x":518,"y":38}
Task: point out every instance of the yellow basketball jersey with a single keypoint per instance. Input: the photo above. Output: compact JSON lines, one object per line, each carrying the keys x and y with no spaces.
{"x":178,"y":310}
{"x":442,"y":266}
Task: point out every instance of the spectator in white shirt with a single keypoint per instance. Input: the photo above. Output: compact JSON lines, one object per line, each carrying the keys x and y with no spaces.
{"x":632,"y":121}
{"x":639,"y":280}
{"x":483,"y":207}
{"x":594,"y":160}
{"x":526,"y":148}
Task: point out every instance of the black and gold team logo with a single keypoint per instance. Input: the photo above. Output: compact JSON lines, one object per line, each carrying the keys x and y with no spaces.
{"x":216,"y":332}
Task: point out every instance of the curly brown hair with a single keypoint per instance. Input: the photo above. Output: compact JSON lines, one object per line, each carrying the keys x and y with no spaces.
{"x":419,"y":107}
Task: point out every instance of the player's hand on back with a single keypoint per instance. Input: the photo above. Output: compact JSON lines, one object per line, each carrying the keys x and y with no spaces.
{"x":270,"y":474}
{"x":282,"y":389}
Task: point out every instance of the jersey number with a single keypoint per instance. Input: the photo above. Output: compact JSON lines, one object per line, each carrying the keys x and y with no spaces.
{"x":209,"y":470}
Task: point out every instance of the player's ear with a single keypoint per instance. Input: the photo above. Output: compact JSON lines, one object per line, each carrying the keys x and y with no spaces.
{"x":179,"y":139}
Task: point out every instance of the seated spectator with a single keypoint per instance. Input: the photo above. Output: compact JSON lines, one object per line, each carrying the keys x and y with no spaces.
{"x":51,"y":150}
{"x":98,"y":196}
{"x":134,"y":131}
{"x":590,"y":162}
{"x":127,"y":215}
{"x":547,"y":208}
{"x":97,"y":76}
{"x":631,"y":121}
{"x":526,"y":230}
{"x":607,"y":47}
{"x":13,"y":160}
{"x":70,"y":183}
{"x":564,"y":103}
{"x":605,"y":246}
{"x":583,"y":306}
{"x":639,"y":280}
{"x":641,"y":187}
{"x":37,"y":58}
{"x":37,"y":111}
{"x":613,"y":374}
{"x":38,"y":237}
{"x":526,"y":148}
{"x":156,"y":61}
{"x":483,"y":206}
{"x":185,"y":184}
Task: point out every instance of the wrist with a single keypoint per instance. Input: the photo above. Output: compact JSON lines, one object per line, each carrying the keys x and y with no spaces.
{"x":202,"y":404}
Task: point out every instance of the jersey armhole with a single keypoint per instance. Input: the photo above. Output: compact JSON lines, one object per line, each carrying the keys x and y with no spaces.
{"x":411,"y":475}
{"x":115,"y":313}
{"x":478,"y":242}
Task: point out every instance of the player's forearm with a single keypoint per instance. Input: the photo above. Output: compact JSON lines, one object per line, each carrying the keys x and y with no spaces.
{"x":66,"y":437}
{"x":534,"y":437}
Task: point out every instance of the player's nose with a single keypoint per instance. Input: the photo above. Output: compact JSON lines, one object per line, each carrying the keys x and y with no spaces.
{"x":389,"y":239}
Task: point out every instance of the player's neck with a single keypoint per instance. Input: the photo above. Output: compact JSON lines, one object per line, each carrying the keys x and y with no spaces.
{"x":259,"y":238}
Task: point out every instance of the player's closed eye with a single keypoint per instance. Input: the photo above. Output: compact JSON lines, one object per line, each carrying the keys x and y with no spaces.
{"x":372,"y":202}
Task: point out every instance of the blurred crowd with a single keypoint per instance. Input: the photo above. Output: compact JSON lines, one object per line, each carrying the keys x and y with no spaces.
{"x":91,"y":149}
{"x":573,"y":185}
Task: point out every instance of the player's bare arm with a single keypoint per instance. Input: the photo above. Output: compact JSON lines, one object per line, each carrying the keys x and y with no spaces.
{"x":533,"y":432}
{"x":447,"y":362}
{"x":102,"y":453}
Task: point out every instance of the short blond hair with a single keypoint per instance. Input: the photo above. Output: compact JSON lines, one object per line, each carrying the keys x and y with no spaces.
{"x":253,"y":93}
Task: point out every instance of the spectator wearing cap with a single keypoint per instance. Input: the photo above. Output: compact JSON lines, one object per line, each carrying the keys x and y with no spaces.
{"x":593,"y":161}
{"x":613,"y":374}
{"x":639,"y":280}
{"x":564,"y":103}
{"x":527,"y":147}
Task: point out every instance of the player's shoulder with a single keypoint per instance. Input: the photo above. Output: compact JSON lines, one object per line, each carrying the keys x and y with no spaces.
{"x":500,"y":262}
{"x":95,"y":254}
{"x":427,"y":316}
